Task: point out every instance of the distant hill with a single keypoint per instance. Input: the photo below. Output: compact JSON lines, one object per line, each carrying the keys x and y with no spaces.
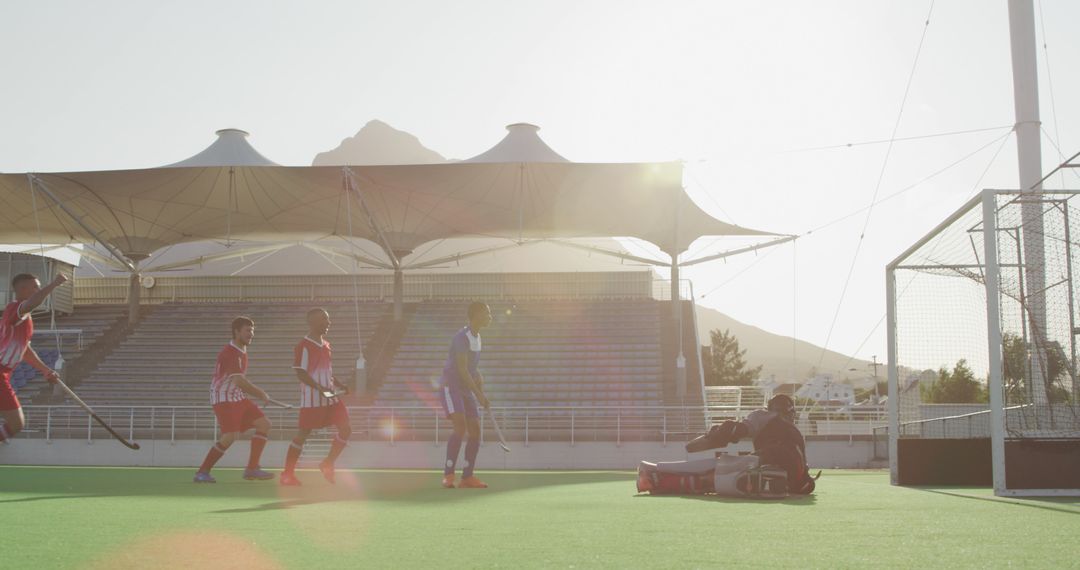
{"x":378,"y":143}
{"x":774,"y":351}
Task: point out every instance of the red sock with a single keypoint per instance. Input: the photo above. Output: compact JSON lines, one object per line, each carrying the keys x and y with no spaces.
{"x":258,"y":442}
{"x":336,"y":448}
{"x":293,"y":455}
{"x":212,"y":457}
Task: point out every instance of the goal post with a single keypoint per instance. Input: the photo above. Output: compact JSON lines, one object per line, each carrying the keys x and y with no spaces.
{"x":982,"y":343}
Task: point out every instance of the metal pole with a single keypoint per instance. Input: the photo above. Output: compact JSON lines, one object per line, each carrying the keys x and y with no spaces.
{"x":1072,"y":305}
{"x":893,"y":374}
{"x":993,"y":329}
{"x":48,"y":425}
{"x":571,"y":428}
{"x":1029,"y":156}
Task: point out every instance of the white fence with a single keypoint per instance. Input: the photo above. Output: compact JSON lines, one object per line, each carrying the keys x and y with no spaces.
{"x":418,"y":423}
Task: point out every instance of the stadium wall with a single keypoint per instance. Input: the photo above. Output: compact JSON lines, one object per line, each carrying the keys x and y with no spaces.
{"x":845,"y":453}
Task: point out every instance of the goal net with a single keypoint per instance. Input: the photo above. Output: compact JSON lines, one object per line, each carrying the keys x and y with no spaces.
{"x":982,"y":326}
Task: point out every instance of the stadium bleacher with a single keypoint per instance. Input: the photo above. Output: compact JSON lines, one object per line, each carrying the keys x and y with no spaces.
{"x":536,"y":354}
{"x":565,"y":353}
{"x":91,"y":320}
{"x":170,"y":357}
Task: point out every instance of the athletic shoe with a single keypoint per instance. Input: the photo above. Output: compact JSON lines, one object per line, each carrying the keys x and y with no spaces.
{"x":448,"y":481}
{"x":327,"y":471}
{"x":472,"y":483}
{"x":257,"y":475}
{"x":201,"y":477}
{"x":289,"y":479}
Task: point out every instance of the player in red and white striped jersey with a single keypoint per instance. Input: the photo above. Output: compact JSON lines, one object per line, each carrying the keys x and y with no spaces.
{"x":16,"y":328}
{"x":229,"y":391}
{"x":320,"y":404}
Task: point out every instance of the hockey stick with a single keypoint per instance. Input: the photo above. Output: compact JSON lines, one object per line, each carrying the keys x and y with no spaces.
{"x":498,"y":432}
{"x":274,"y":402}
{"x":89,"y":410}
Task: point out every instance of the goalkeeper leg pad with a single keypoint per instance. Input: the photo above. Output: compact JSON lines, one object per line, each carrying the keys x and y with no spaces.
{"x":676,"y":477}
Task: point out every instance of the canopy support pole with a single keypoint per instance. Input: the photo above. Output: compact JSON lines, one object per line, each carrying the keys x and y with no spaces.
{"x":134,"y":297}
{"x":676,"y":302}
{"x":399,"y":295}
{"x":399,"y":275}
{"x":127,"y":263}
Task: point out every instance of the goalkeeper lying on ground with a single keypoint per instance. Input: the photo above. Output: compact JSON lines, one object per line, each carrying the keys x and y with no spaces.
{"x":777,"y":468}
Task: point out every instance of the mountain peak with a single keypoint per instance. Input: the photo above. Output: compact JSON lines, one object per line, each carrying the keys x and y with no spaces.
{"x":378,"y":143}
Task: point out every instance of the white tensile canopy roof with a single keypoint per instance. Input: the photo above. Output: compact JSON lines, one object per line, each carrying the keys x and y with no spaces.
{"x":519,"y":189}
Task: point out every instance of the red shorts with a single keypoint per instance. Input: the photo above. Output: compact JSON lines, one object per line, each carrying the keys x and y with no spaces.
{"x":323,"y":416}
{"x":8,"y":400}
{"x":237,"y":416}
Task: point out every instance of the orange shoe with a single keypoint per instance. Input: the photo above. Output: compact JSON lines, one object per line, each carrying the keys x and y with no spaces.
{"x":472,"y":483}
{"x":327,"y":471}
{"x":448,"y":481}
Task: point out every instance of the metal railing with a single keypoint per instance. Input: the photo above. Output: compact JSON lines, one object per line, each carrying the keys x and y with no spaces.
{"x":377,"y":287}
{"x":419,"y":423}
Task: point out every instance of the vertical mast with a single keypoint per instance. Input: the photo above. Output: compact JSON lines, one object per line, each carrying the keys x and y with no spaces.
{"x":1029,"y":158}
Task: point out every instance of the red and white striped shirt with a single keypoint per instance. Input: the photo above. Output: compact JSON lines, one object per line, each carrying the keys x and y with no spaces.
{"x":314,"y":358}
{"x":15,"y":333}
{"x":232,"y":361}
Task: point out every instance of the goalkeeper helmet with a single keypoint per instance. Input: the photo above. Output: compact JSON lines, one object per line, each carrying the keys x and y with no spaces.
{"x":784,"y":405}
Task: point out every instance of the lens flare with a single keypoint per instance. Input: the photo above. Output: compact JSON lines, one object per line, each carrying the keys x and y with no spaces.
{"x":187,"y":549}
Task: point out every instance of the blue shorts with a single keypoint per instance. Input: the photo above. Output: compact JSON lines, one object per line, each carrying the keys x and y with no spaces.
{"x":459,"y":402}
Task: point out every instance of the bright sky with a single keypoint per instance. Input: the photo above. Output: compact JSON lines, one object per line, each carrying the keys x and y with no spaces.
{"x":726,"y":86}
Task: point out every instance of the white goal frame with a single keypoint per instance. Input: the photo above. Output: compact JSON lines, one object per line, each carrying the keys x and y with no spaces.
{"x":987,"y":200}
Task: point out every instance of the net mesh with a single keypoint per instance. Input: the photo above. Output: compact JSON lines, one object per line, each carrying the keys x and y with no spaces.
{"x":942,"y":347}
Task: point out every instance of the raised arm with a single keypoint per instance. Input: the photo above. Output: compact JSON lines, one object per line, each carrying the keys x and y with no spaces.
{"x":34,"y":301}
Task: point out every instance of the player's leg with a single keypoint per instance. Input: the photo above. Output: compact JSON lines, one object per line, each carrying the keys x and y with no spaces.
{"x":292,"y":456}
{"x":13,"y":423}
{"x":258,"y":443}
{"x":10,"y":409}
{"x":472,"y":445}
{"x":453,"y":405}
{"x":453,"y":448}
{"x":340,"y":417}
{"x":212,"y":457}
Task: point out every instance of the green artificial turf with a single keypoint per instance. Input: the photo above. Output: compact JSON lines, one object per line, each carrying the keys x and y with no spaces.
{"x":62,"y":517}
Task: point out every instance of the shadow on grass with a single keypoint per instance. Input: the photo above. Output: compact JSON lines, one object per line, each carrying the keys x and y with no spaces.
{"x":49,"y":484}
{"x":794,"y":500}
{"x":1068,"y":505}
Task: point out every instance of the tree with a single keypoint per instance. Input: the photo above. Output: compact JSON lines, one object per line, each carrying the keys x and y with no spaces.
{"x":1016,"y":363}
{"x":725,"y":364}
{"x":957,"y":386}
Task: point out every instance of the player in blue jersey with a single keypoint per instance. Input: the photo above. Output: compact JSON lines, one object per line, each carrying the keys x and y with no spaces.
{"x":461,"y":390}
